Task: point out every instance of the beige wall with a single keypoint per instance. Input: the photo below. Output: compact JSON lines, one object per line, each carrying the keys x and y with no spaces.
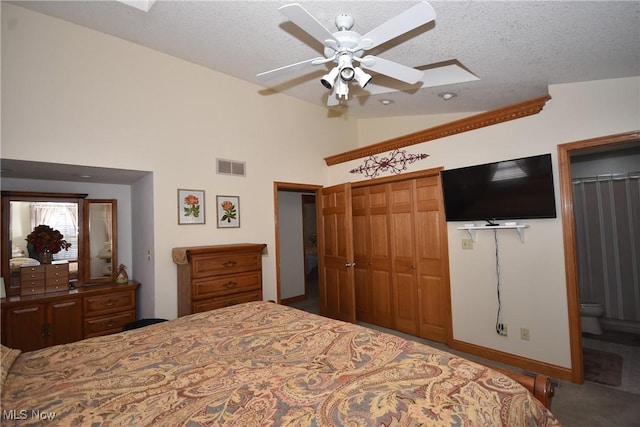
{"x":532,"y":273}
{"x":71,"y":95}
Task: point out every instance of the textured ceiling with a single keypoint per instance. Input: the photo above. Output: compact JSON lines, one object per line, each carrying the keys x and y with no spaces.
{"x":516,"y":48}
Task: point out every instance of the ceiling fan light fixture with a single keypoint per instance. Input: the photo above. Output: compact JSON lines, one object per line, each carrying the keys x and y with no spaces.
{"x":342,"y":89}
{"x":361,"y":77}
{"x":329,"y":79}
{"x":347,"y":73}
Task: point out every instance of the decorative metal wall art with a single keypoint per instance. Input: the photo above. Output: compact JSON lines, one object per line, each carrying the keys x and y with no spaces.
{"x":396,"y":162}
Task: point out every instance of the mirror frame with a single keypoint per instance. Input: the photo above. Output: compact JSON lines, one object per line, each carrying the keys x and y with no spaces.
{"x":26,"y":196}
{"x":86,"y":260}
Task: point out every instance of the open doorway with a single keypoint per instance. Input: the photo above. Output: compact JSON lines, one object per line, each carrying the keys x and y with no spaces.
{"x":296,"y":244}
{"x":565,"y":154}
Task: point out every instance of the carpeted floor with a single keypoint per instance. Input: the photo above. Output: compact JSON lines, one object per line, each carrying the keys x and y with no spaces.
{"x":602,"y":367}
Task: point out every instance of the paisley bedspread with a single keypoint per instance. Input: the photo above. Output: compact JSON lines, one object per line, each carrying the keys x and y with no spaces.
{"x":259,"y":364}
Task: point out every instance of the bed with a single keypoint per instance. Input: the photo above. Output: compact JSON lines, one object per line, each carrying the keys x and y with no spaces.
{"x":258,"y":364}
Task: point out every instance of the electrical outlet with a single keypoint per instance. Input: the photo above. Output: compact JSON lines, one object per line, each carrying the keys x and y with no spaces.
{"x":467,"y":244}
{"x":524,"y":334}
{"x":501,"y":329}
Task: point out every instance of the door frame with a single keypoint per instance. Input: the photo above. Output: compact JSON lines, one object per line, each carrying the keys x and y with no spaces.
{"x":293,"y":187}
{"x":568,"y":230}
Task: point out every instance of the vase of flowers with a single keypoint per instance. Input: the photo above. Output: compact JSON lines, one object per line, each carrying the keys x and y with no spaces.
{"x":46,"y":241}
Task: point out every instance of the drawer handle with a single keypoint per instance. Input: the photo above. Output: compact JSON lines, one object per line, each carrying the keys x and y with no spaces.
{"x":230,"y":284}
{"x":229,"y":263}
{"x":108,"y":303}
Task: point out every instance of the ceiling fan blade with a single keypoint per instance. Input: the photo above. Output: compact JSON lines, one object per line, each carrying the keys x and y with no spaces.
{"x":289,"y":69}
{"x":434,"y":75}
{"x":446,"y":75}
{"x":391,"y":69}
{"x":309,"y":23}
{"x":414,"y":17}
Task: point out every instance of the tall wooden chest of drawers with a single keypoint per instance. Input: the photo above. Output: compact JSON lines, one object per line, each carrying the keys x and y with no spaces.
{"x":211,"y":277}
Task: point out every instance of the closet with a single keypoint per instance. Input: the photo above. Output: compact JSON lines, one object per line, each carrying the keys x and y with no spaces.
{"x":399,"y":254}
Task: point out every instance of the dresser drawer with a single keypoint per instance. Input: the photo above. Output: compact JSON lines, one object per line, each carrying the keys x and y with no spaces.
{"x":203,"y":266}
{"x":32,"y":273}
{"x":62,"y":285}
{"x":104,"y":325}
{"x":57,"y":271}
{"x":213,"y":303}
{"x":207,"y":288}
{"x":32,"y":289}
{"x":111,"y":303}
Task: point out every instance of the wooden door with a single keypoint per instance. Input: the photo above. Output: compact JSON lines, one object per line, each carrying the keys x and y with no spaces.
{"x":335,"y":252}
{"x":25,"y":327}
{"x":372,"y":254}
{"x":403,"y":255}
{"x":434,"y":303}
{"x":64,"y":322}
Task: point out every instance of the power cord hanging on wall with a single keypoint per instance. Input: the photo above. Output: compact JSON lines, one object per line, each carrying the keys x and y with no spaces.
{"x":500,"y":327}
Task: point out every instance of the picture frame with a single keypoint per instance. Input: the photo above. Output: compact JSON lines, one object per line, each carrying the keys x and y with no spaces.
{"x":191,"y":208}
{"x":228,"y":211}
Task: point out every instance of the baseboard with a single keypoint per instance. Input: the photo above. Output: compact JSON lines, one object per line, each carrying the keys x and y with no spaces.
{"x":291,"y":300}
{"x":620,"y":325}
{"x":523,"y":363}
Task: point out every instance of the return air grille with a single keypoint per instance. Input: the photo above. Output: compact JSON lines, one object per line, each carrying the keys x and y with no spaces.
{"x":230,"y":167}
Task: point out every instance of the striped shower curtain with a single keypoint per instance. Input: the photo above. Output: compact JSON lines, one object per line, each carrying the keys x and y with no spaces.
{"x":607,"y":221}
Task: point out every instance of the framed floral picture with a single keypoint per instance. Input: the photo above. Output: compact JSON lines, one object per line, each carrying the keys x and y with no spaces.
{"x":228,"y":208}
{"x":191,"y":207}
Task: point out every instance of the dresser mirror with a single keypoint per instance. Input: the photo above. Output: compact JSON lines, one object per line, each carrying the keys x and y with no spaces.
{"x":87,"y":256}
{"x":101,"y":244}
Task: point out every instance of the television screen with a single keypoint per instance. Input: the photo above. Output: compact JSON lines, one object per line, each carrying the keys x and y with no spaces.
{"x":510,"y":189}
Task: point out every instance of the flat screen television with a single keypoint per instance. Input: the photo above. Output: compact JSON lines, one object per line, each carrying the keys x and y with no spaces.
{"x":510,"y":189}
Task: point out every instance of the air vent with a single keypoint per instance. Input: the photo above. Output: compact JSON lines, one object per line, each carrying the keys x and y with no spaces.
{"x":230,"y":167}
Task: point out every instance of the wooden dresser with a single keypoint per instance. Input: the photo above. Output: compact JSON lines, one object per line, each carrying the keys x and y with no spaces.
{"x":31,"y":322}
{"x":211,"y":277}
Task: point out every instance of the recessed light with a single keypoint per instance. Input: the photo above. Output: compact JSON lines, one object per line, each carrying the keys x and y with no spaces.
{"x":447,"y":95}
{"x":386,"y":101}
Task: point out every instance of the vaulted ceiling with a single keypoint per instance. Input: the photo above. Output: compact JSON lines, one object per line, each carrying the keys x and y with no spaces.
{"x":515,"y":48}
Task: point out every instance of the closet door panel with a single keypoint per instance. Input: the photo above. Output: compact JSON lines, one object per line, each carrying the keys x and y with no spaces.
{"x":405,"y":299}
{"x":434,"y":303}
{"x":403,"y":243}
{"x":363,"y":290}
{"x":335,"y":250}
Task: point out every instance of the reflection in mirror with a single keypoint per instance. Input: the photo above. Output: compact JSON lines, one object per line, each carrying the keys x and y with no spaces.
{"x":22,"y":212}
{"x":101,"y":255}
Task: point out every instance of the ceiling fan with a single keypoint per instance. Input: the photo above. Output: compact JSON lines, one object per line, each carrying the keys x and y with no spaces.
{"x":346,"y":48}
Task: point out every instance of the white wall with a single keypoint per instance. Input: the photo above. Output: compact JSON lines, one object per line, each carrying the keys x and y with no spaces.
{"x":291,"y":244}
{"x":533,"y":288}
{"x":75,"y":96}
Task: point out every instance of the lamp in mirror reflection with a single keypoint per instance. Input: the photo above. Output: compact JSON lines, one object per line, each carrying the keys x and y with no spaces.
{"x":105,"y":254}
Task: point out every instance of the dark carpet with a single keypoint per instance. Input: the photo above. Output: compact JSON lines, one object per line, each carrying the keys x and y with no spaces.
{"x":602,"y":367}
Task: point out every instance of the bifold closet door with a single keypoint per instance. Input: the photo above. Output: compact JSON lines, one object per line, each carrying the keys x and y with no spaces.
{"x":432,"y":260}
{"x":403,"y":254}
{"x":372,"y":255}
{"x":335,"y":252}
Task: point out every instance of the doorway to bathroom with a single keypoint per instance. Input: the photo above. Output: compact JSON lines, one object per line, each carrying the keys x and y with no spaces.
{"x":597,"y":269}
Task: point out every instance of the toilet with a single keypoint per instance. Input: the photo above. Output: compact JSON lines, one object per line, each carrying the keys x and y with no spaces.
{"x":590,"y":313}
